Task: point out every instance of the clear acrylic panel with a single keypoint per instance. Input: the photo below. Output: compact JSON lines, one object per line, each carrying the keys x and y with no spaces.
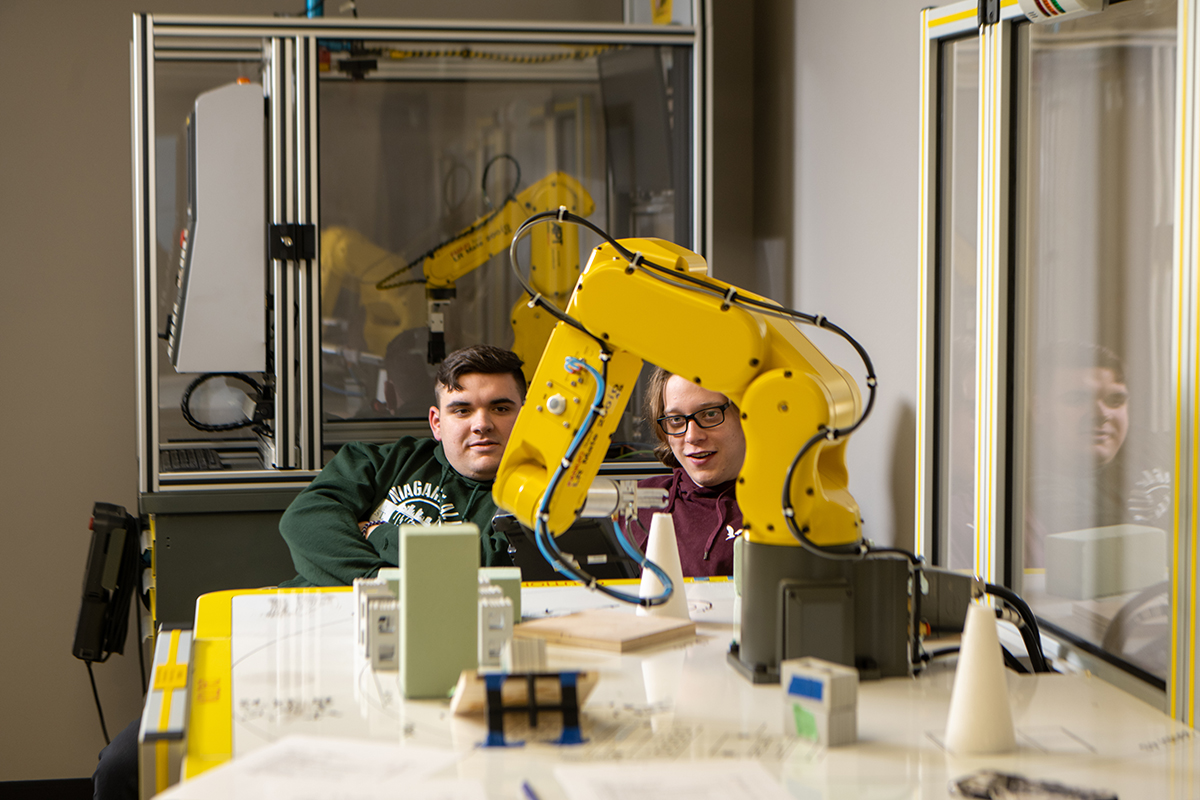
{"x":959,"y":203}
{"x":424,"y":149}
{"x":209,"y":433}
{"x":1094,"y":184}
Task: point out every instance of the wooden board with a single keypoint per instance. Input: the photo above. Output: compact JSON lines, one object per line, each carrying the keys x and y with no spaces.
{"x":604,"y":629}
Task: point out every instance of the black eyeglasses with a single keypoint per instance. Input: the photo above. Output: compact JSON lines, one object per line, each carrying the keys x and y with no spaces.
{"x":676,"y":424}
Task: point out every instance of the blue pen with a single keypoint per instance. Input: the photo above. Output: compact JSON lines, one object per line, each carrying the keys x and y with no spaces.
{"x":527,"y":790}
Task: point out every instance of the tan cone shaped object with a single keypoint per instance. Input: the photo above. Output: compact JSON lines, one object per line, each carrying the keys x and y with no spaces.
{"x":980,"y":720}
{"x":662,"y":549}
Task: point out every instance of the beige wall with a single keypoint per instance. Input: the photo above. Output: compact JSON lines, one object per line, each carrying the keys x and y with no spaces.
{"x":822,"y":150}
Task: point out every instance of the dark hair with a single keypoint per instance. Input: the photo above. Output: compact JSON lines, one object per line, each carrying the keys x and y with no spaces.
{"x":1085,"y":355}
{"x":482,"y":359}
{"x":655,"y":387}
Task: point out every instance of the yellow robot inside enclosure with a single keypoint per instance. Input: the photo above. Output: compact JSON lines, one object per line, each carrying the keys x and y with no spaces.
{"x":785,"y":388}
{"x":395,"y":301}
{"x":350,"y":259}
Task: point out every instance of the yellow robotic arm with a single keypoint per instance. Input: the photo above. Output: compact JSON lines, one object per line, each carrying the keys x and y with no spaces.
{"x":348,"y":257}
{"x":811,"y":583}
{"x":473,"y":246}
{"x":786,"y":390}
{"x":555,"y":259}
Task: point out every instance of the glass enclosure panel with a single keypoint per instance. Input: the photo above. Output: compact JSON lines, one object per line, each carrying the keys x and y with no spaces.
{"x":423,"y":152}
{"x":957,"y":250}
{"x":430,"y":156}
{"x":211,"y":434}
{"x":1093,"y":388}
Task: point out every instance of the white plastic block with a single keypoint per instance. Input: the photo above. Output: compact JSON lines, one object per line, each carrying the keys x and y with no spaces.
{"x":383,"y":633}
{"x":820,"y":700}
{"x":364,"y":590}
{"x":495,"y":625}
{"x":1098,"y":562}
{"x":509,"y":581}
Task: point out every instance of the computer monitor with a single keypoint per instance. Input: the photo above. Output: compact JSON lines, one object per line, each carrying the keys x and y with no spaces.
{"x":218,"y":323}
{"x":592,"y":542}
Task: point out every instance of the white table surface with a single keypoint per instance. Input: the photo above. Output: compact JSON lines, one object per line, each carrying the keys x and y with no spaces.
{"x":295,"y":672}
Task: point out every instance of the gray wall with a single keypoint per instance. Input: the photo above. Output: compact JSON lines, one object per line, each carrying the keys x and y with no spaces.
{"x":67,"y":366}
{"x":825,"y":151}
{"x":67,"y":347}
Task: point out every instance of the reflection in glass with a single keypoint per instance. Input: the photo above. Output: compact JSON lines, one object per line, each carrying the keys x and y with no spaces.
{"x":442,"y":154}
{"x":1094,"y":193}
{"x":957,"y":273}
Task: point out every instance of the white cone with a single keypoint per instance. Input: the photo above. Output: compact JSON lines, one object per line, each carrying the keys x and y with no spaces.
{"x":662,"y":674}
{"x":980,"y":720}
{"x":662,"y":549}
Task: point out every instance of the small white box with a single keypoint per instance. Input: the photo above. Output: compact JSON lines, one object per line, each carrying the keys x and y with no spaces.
{"x":364,"y":590}
{"x":495,"y":625}
{"x":509,"y":581}
{"x":820,"y":700}
{"x":1098,"y":562}
{"x":383,"y":633}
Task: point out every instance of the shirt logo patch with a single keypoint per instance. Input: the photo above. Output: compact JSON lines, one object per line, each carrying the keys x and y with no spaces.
{"x":416,"y":503}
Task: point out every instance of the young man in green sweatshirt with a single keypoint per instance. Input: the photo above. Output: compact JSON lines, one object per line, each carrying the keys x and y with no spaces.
{"x":345,"y":525}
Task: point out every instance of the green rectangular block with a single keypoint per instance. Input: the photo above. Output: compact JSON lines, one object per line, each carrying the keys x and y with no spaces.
{"x":509,"y":581}
{"x":439,"y":607}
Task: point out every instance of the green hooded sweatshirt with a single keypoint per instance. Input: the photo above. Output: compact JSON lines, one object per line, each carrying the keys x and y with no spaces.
{"x":407,"y":482}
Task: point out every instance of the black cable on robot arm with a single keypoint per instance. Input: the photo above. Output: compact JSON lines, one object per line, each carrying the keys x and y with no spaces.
{"x":536,"y":298}
{"x":546,"y":542}
{"x":541,"y":532}
{"x":801,"y":534}
{"x":732,"y":297}
{"x":789,"y":512}
{"x":514,"y":262}
{"x":872,"y":382}
{"x":512,"y":193}
{"x":1011,"y":661}
{"x":388,"y":282}
{"x":1029,"y":631}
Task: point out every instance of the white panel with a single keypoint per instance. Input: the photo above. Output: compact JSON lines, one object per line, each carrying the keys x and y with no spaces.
{"x":220,"y":318}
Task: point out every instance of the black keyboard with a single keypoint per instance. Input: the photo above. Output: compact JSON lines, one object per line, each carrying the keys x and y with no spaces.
{"x":191,"y":460}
